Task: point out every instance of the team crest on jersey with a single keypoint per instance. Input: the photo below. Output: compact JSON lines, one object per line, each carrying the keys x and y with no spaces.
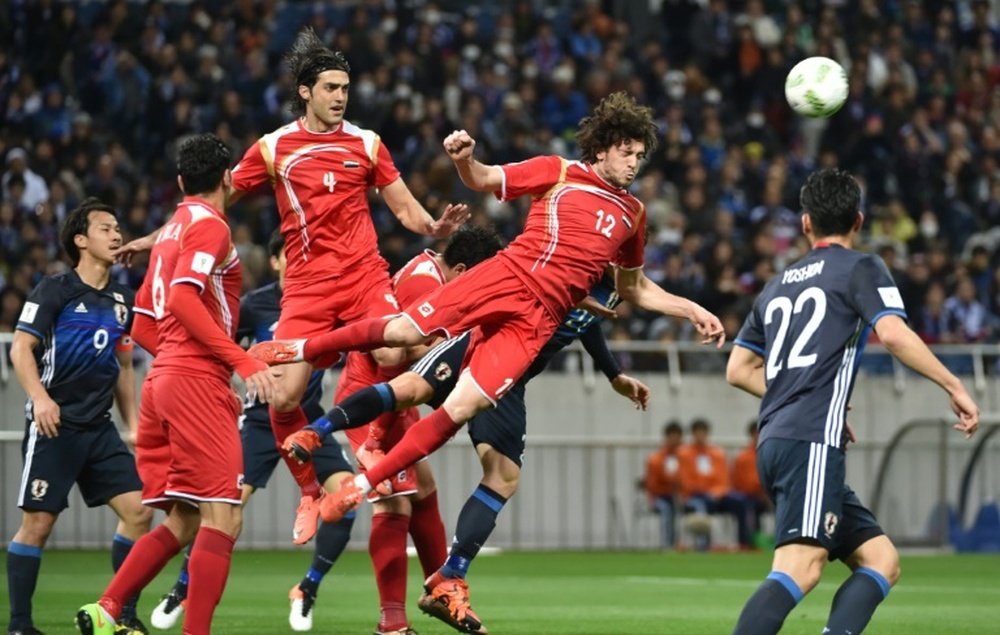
{"x":38,"y":489}
{"x":425,"y":309}
{"x":442,"y":372}
{"x":118,"y":297}
{"x":239,"y":481}
{"x":829,"y":524}
{"x":401,"y":477}
{"x":121,"y":313}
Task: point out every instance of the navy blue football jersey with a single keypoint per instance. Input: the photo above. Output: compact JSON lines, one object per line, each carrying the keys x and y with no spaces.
{"x":810,"y":324}
{"x":578,"y":320}
{"x":259,"y":311}
{"x":80,"y":328}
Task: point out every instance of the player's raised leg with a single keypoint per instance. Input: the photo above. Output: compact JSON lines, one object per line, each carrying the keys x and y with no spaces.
{"x":423,"y":438}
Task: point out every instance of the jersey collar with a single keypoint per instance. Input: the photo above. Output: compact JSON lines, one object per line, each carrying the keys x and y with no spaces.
{"x":301,"y":121}
{"x":197,"y":200}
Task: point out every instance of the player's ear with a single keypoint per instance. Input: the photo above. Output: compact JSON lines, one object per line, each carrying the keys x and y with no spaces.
{"x":305,"y":92}
{"x":806,"y":224}
{"x":180,"y":183}
{"x":227,"y":180}
{"x":80,"y":241}
{"x":858,"y":222}
{"x":460,"y":268}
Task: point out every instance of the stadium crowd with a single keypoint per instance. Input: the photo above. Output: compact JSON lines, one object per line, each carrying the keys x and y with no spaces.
{"x":95,"y":97}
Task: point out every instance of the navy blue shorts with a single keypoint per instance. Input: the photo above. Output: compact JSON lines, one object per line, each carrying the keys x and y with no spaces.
{"x":812,"y":502}
{"x":95,"y":458}
{"x":261,"y":454}
{"x":442,"y":365}
{"x":505,"y":426}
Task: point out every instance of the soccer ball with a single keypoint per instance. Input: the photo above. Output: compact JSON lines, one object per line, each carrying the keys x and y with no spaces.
{"x":816,"y":87}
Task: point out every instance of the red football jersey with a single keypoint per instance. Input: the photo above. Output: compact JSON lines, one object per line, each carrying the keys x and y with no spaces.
{"x":416,"y":279}
{"x":321,"y":183}
{"x":196,"y":248}
{"x":577,"y":224}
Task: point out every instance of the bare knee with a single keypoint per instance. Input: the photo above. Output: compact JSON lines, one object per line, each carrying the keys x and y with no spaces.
{"x":284,"y":402}
{"x":500,"y":474}
{"x":410,"y":389}
{"x":802,"y":562}
{"x":183,"y":521}
{"x":36,"y":526}
{"x":401,"y":332}
{"x":400,"y":505}
{"x":878,"y":554}
{"x":389,"y":356}
{"x":137,"y":519}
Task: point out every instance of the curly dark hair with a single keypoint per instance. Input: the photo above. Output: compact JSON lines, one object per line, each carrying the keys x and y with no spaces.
{"x":276,"y":244}
{"x":471,"y":245}
{"x":307,"y":58}
{"x":832,"y":199}
{"x":201,"y":162}
{"x":616,"y":119}
{"x":77,"y":222}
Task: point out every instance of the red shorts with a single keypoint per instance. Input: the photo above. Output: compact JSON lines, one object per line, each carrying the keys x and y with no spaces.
{"x":360,"y":372}
{"x":514,"y":324}
{"x":189,"y":443}
{"x":310,"y":308}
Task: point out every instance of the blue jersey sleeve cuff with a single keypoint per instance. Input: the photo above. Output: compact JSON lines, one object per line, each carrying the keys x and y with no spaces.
{"x":745,"y":344}
{"x":882,"y":314}
{"x":28,"y":329}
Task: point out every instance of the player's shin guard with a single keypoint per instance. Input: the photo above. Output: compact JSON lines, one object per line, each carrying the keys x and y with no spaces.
{"x":23,"y":563}
{"x":387,"y":548}
{"x":364,"y":335}
{"x":210,"y":560}
{"x":856,"y":601}
{"x":358,"y":409}
{"x":283,"y":424}
{"x":475,"y":524}
{"x":331,"y":540}
{"x":148,"y":556}
{"x":428,"y":533}
{"x":120,"y":548}
{"x":423,"y":437}
{"x":767,"y":608}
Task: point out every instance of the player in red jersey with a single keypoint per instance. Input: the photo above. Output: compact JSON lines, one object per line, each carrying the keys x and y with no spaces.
{"x":188,"y":447}
{"x":581,"y":220}
{"x":410,"y":505}
{"x":321,"y":167}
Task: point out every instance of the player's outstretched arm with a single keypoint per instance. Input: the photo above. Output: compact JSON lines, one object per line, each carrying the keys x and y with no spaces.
{"x":633,"y":286}
{"x":125,"y":253}
{"x":908,"y":348}
{"x":745,"y":370}
{"x":44,"y":409}
{"x":477,"y":177}
{"x":414,"y":217}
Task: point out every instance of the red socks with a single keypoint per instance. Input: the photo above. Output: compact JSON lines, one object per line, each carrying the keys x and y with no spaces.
{"x":283,"y":424}
{"x":428,"y":533}
{"x":387,"y":547}
{"x":209,"y":569}
{"x":421,"y":439}
{"x":148,"y":556}
{"x":324,"y":350}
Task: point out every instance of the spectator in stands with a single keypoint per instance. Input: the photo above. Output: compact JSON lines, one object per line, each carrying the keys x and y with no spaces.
{"x":704,"y":484}
{"x":663,"y":479}
{"x":35,"y":190}
{"x":746,"y":483}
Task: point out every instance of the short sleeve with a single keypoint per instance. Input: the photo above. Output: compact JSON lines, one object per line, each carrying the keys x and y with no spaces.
{"x":204,"y":245}
{"x":415,"y":287}
{"x":144,"y":299}
{"x":631,"y":254}
{"x":751,"y":335}
{"x":252,"y":170}
{"x":385,"y":171}
{"x":534,"y":176}
{"x":41,"y":309}
{"x":872,"y":292}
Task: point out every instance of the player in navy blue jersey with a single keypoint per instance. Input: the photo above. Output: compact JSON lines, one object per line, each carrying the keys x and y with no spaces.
{"x":259,"y":310}
{"x":73,"y":356}
{"x":799,"y":350}
{"x":498,"y":435}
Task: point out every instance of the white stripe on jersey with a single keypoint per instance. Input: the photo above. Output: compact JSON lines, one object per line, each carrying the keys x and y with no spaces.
{"x":49,"y":359}
{"x":837,"y":412}
{"x":29,"y":453}
{"x":812,"y":506}
{"x":552,"y":211}
{"x":302,"y":154}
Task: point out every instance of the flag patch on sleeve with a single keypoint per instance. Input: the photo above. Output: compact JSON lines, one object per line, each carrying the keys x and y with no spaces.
{"x":891,"y":297}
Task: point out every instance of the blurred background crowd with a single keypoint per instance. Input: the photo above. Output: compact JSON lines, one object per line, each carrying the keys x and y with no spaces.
{"x":94,"y":97}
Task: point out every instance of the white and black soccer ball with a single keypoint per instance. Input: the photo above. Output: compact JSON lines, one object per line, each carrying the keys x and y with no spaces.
{"x":816,"y":87}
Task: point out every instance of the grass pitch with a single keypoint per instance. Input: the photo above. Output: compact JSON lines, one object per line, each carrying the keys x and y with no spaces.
{"x":550,"y":593}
